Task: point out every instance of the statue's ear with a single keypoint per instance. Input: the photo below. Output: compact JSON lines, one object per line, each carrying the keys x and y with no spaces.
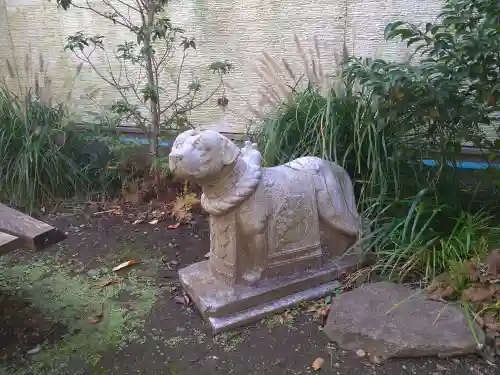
{"x":229,"y":151}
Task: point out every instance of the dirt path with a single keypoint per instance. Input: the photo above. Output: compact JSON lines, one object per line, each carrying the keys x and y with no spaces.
{"x":136,"y":326}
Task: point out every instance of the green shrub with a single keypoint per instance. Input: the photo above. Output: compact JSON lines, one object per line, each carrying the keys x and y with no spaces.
{"x":42,"y":157}
{"x":446,"y":99}
{"x":381,"y":119}
{"x":430,"y":239}
{"x":37,"y":163}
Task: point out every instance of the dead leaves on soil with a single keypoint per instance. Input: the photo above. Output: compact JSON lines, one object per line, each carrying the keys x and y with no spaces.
{"x":476,"y":284}
{"x":440,"y":293}
{"x":479,"y":293}
{"x":489,"y":321}
{"x":129,"y":207}
{"x":112,"y":281}
{"x":319,"y":309}
{"x":493,"y":264}
{"x":480,"y":285}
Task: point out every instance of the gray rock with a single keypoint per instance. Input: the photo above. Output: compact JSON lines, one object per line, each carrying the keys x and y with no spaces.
{"x":390,"y":320}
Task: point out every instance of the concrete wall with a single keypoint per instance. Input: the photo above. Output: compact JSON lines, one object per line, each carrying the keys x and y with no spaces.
{"x":236,"y":30}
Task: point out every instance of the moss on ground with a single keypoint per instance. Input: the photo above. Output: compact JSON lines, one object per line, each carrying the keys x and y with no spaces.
{"x":71,"y":300}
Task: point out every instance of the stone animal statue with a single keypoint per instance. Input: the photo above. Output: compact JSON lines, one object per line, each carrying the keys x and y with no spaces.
{"x":265,"y":222}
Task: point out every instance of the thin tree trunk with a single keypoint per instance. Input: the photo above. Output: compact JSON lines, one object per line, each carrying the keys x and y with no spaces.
{"x":153,"y":104}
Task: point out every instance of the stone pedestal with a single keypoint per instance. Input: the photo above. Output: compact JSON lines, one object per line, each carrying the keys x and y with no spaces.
{"x":227,"y":306}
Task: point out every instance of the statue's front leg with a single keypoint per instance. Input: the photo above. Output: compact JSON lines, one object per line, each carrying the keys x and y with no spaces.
{"x":256,"y":254}
{"x":252,"y":243}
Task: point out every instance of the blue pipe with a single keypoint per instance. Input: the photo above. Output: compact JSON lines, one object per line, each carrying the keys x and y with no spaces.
{"x":142,"y":141}
{"x":465,"y":164}
{"x":432,"y":163}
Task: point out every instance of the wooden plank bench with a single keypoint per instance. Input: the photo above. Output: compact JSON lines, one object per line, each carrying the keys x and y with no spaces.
{"x":19,"y":230}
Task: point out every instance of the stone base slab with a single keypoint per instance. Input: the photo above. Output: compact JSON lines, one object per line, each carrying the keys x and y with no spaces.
{"x":254,"y":314}
{"x":227,"y":306}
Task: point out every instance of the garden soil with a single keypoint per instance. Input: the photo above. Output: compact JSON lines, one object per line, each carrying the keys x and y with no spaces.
{"x":65,"y":311}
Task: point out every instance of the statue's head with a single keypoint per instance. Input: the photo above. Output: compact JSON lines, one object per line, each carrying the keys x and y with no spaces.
{"x":201,"y":155}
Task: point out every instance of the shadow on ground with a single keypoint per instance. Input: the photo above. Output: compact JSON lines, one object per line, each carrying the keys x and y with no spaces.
{"x":55,"y":306}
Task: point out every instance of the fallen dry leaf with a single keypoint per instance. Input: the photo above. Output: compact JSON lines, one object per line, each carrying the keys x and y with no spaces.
{"x":440,"y":293}
{"x":153,"y":222}
{"x":476,"y":294}
{"x":472,"y":272}
{"x":441,"y":368}
{"x":448,"y":291}
{"x":179,"y":300}
{"x":490,"y":322}
{"x":318,"y":364}
{"x":171,"y":264}
{"x":97,"y":319}
{"x":124,"y":264}
{"x":182,"y":300}
{"x":138,"y":221}
{"x":175,"y":226}
{"x":313,"y":307}
{"x":99,"y":213}
{"x":360,"y":353}
{"x":109,"y":282}
{"x":324,"y":311}
{"x":493,"y":264}
{"x":207,"y":255}
{"x":35,"y":350}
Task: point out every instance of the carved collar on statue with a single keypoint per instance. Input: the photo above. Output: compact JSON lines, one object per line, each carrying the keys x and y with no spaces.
{"x":235,"y":185}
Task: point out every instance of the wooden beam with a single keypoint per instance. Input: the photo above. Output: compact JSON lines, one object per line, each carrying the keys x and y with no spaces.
{"x":35,"y":234}
{"x":9,"y":243}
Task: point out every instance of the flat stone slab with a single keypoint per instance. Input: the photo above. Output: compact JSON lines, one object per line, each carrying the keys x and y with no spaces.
{"x":226,"y":306}
{"x":390,"y":320}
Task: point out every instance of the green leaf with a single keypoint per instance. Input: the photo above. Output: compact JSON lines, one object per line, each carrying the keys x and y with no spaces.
{"x":391,"y":27}
{"x":414,"y":40}
{"x":403,"y":33}
{"x":65,"y":4}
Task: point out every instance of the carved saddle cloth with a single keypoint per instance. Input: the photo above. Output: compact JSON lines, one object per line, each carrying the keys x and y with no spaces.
{"x":293,"y":226}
